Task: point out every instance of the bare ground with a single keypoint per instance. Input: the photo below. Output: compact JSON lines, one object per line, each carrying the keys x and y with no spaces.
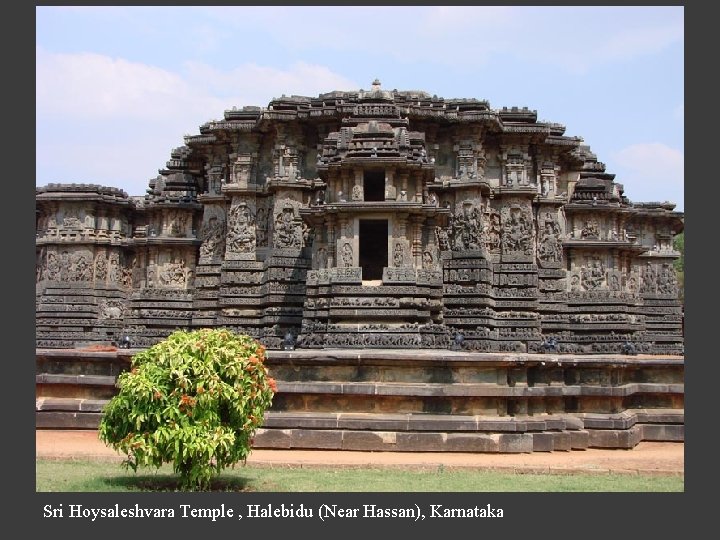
{"x":645,"y":458}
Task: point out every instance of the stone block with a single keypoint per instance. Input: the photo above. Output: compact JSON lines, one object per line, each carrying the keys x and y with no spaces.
{"x":420,"y":442}
{"x":67,"y":420}
{"x":272,"y":438}
{"x":543,"y":442}
{"x":515,"y":442}
{"x":615,"y":438}
{"x":320,"y":439}
{"x":471,"y":442}
{"x":369,"y":441}
{"x":562,"y":440}
{"x":579,"y":440}
{"x":663,"y":432}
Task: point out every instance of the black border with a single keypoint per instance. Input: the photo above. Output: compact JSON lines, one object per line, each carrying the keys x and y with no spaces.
{"x":558,"y":515}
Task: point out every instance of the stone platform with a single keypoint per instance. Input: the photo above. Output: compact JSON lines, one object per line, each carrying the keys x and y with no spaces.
{"x":419,"y":400}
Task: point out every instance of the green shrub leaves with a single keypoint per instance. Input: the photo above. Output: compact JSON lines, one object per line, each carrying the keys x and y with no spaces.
{"x":193,"y":400}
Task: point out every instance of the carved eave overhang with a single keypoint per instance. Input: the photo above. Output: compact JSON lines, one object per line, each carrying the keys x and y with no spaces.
{"x":521,"y":191}
{"x":370,"y":161}
{"x":588,"y":244}
{"x":557,"y":200}
{"x":656,"y":211}
{"x":354,"y":208}
{"x":246,"y":114}
{"x":171,"y":204}
{"x":207,"y":198}
{"x":218,"y":126}
{"x":393,"y":121}
{"x":250,"y":188}
{"x":280,"y":183}
{"x":455,"y":183}
{"x":563,"y":145}
{"x":164,"y":241}
{"x":651,"y":254}
{"x":82,"y":193}
{"x":599,"y":207}
{"x":80,"y":240}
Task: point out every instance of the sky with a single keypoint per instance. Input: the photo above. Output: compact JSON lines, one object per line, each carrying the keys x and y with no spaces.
{"x":117,"y":88}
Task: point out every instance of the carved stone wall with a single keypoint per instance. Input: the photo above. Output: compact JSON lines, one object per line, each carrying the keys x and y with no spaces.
{"x":503,"y":233}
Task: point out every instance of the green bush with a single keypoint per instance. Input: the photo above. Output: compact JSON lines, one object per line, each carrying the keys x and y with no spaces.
{"x":193,"y":400}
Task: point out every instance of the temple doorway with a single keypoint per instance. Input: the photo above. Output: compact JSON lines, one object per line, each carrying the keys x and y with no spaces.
{"x":373,"y":248}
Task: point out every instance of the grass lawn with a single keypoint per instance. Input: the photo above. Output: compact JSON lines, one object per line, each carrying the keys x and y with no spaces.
{"x":96,"y":476}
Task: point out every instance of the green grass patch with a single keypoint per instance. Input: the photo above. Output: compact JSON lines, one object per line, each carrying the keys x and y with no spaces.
{"x":94,"y":476}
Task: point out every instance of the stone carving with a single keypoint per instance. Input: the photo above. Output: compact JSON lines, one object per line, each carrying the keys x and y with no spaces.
{"x":466,"y":228}
{"x":174,"y":274}
{"x":178,"y":221}
{"x":494,"y":230}
{"x":549,"y":242}
{"x":241,"y":236}
{"x":321,"y":258}
{"x":428,"y":261}
{"x":614,"y":280}
{"x":590,"y":230}
{"x":515,"y":171}
{"x":467,"y":189}
{"x":70,"y":220}
{"x":115,"y":273}
{"x":261,"y":226}
{"x":243,"y":169}
{"x":659,"y":280}
{"x":212,"y":235}
{"x":346,"y":255}
{"x":288,"y":229}
{"x":592,"y":275}
{"x":399,"y":254}
{"x":442,"y":238}
{"x":101,"y":266}
{"x":111,"y":309}
{"x":517,"y":232}
{"x":80,"y":269}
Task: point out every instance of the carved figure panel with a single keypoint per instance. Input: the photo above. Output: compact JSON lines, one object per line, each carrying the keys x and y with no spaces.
{"x":549,"y":248}
{"x":100,"y":266}
{"x":173,"y":274}
{"x":241,"y":236}
{"x":592,"y":274}
{"x":466,"y":229}
{"x":346,"y":255}
{"x":517,"y":231}
{"x":400,"y":256}
{"x":493,"y":229}
{"x":287,"y":225}
{"x":590,"y":230}
{"x":212,"y":234}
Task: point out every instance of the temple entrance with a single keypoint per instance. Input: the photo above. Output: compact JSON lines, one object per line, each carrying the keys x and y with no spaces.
{"x":373,"y":248}
{"x":374,"y":185}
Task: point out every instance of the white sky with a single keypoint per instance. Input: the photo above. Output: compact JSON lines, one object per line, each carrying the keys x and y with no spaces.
{"x":118,"y":87}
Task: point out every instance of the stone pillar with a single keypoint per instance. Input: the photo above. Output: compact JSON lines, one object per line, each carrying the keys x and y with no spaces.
{"x":417,"y":250}
{"x":331,"y":244}
{"x":346,"y":189}
{"x":390,"y":190}
{"x":358,"y":183}
{"x":403,"y":185}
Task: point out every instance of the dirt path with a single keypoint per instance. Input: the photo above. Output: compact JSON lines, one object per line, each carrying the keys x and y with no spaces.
{"x":647,"y":457}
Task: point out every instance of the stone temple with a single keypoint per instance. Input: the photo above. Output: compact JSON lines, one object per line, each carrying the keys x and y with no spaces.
{"x":413,"y":236}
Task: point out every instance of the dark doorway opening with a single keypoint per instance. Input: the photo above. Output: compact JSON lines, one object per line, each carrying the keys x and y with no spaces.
{"x":374,"y":185}
{"x":373,"y":247}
